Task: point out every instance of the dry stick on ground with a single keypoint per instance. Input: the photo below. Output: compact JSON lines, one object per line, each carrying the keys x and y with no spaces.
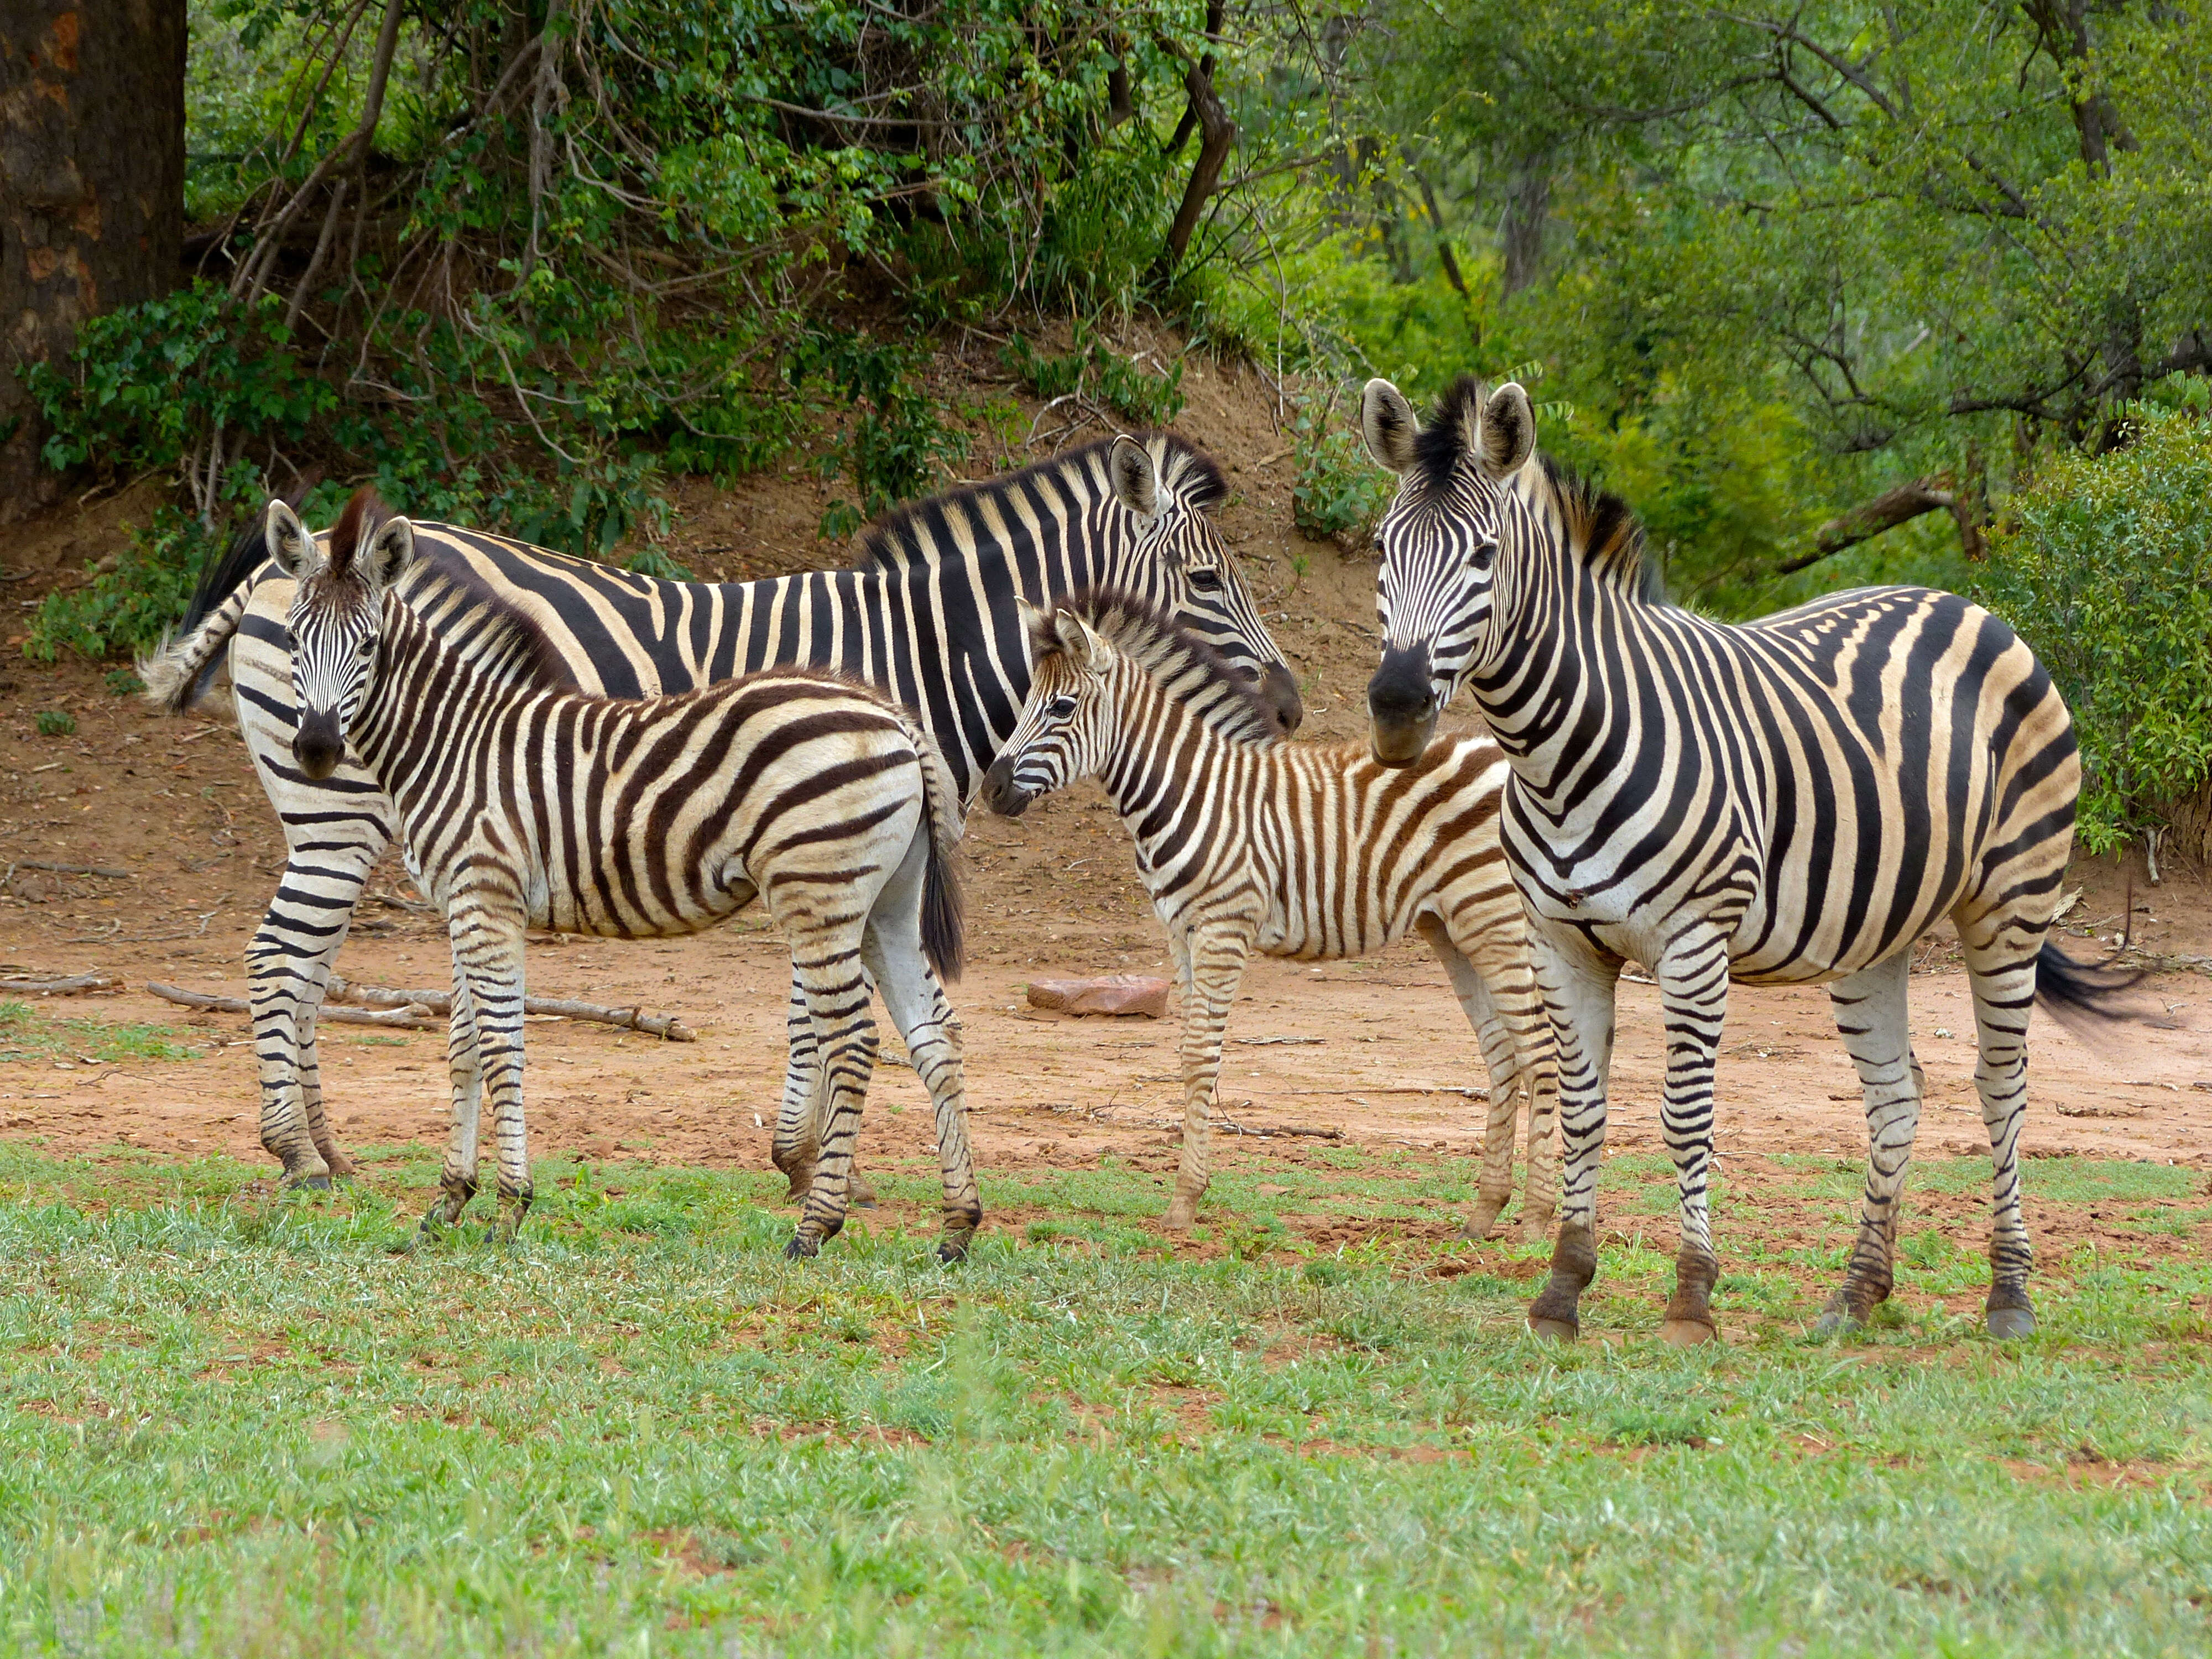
{"x":666,"y":1026}
{"x":400,"y":1017}
{"x":60,"y":988}
{"x":108,"y":870}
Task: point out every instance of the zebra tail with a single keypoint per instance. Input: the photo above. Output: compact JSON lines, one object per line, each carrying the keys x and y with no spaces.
{"x":944,"y":927}
{"x":177,"y":672}
{"x":2084,"y":995}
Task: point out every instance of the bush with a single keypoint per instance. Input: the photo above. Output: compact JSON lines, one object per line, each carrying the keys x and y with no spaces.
{"x":1092,"y":368}
{"x":121,"y":611}
{"x":2103,"y":564}
{"x":1339,"y":492}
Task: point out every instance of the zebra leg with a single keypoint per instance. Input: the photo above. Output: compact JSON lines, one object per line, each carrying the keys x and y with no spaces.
{"x":800,"y":1118}
{"x":1876,"y":1027}
{"x":1216,"y":958}
{"x":836,"y":987}
{"x":1495,"y":1189}
{"x":464,"y":1066}
{"x":1693,"y":988}
{"x":2001,"y":955}
{"x":488,"y":948}
{"x":1577,"y":986}
{"x":917,"y":1004}
{"x":287,"y":964}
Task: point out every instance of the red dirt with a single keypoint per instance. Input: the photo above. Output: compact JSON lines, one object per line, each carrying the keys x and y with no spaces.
{"x":176,"y":803}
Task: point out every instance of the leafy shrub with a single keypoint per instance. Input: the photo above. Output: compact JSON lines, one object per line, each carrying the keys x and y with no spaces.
{"x":123,"y":610}
{"x":1339,"y":493}
{"x":895,"y":445}
{"x":1143,"y":395}
{"x":2103,"y":564}
{"x":55,"y":722}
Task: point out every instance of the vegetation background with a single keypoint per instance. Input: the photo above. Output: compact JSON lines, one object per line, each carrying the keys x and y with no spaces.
{"x":1832,"y":292}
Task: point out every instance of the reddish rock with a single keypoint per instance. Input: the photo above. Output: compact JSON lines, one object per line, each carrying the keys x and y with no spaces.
{"x":1115,"y":993}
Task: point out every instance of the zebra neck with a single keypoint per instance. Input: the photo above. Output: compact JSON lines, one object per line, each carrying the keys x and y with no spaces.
{"x":1548,"y":695}
{"x":429,"y":696}
{"x":1157,"y":760}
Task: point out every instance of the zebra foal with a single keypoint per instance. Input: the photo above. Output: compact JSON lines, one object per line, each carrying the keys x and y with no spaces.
{"x":1795,"y":800}
{"x":1248,"y":843}
{"x":521,"y":802}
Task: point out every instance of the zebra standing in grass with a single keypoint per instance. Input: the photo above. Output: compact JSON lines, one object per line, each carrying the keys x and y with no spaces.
{"x":1791,"y":801}
{"x":1246,"y":841}
{"x":523,"y":803}
{"x":929,"y":616}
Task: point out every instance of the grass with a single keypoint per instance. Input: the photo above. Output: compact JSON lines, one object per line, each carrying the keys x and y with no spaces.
{"x":247,"y":1426}
{"x":25,"y":1035}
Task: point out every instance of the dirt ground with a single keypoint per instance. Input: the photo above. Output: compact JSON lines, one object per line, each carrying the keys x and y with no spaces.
{"x":1375,"y":1051}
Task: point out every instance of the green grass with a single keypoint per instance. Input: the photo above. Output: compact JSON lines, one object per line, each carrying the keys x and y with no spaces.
{"x":238,"y":1424}
{"x":26,"y":1035}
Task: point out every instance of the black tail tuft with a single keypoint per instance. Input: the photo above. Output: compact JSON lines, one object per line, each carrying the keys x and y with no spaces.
{"x":944,"y":923}
{"x":2084,"y":995}
{"x":249,"y":551}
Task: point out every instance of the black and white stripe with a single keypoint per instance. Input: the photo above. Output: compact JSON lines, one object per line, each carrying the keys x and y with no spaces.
{"x":1792,"y":801}
{"x":929,"y":616}
{"x":1247,"y":842}
{"x":520,"y":802}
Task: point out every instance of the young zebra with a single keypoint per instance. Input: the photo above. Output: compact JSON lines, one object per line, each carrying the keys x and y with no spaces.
{"x":1793,"y":801}
{"x":523,"y":803}
{"x":927,"y":615}
{"x":1247,"y":842}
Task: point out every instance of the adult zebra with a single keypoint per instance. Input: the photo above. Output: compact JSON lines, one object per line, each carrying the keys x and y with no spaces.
{"x":927,"y":614}
{"x":1791,"y":801}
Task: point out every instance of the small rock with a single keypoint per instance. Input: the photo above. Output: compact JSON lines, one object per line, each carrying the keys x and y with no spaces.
{"x":1115,"y":993}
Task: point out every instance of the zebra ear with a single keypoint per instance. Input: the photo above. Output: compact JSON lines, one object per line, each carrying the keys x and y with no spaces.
{"x":1509,"y":431}
{"x":391,"y":550}
{"x":1084,"y":647}
{"x":1136,"y":480}
{"x":288,"y":542}
{"x":1036,"y":627}
{"x":1387,"y":421}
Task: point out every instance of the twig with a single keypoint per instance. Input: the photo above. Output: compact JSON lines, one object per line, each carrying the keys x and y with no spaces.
{"x":108,"y":870}
{"x":397,"y":1016}
{"x":1268,"y":1130}
{"x":666,"y":1026}
{"x":61,"y":988}
{"x":1363,"y":1089}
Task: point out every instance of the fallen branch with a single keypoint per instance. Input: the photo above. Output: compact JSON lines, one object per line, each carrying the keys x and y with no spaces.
{"x":400,"y":1017}
{"x":667,"y":1027}
{"x":1268,"y":1130}
{"x":1382,"y":1088}
{"x":60,"y":988}
{"x":108,"y":870}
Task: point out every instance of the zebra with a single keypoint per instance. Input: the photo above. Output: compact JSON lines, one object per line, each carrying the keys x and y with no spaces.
{"x":1304,"y":851}
{"x":926,"y":613}
{"x":1794,"y":800}
{"x":520,"y":802}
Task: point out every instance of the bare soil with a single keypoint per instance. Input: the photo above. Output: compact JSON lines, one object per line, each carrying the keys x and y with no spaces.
{"x":1375,"y":1051}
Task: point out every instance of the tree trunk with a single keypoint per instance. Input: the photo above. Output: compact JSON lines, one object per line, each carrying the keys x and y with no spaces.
{"x":1528,"y":212}
{"x":1216,"y":134}
{"x":2189,"y":826}
{"x":92,"y":191}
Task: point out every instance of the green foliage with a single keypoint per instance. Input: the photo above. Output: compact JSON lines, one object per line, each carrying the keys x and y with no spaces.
{"x":122,"y":682}
{"x":55,"y":723}
{"x":2103,"y":564}
{"x":1339,"y":493}
{"x":895,"y":444}
{"x":1142,"y":396}
{"x":123,"y":611}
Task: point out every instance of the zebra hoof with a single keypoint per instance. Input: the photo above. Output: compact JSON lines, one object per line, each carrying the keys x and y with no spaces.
{"x":1686,"y":1333}
{"x":1536,"y":1226}
{"x":952,"y":1251}
{"x":1837,"y":1319}
{"x":803,"y":1246}
{"x":2008,"y":1324}
{"x":1482,"y":1223}
{"x":858,"y":1194}
{"x":312,"y":1183}
{"x":1554,"y":1330}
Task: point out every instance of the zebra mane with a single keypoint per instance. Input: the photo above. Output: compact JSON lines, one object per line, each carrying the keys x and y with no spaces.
{"x":1603,"y":533}
{"x":490,"y":634}
{"x":902,"y":537}
{"x":1450,"y":431}
{"x":1180,"y":663}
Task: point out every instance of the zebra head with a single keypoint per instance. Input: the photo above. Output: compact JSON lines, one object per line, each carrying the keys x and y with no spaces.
{"x":1177,"y":560}
{"x":1062,"y":734}
{"x":336,"y":619}
{"x":1439,"y":545}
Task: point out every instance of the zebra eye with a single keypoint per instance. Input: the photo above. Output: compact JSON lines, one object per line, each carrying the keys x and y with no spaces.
{"x":1483,"y":555}
{"x":1060,"y":708}
{"x":1205,"y":580}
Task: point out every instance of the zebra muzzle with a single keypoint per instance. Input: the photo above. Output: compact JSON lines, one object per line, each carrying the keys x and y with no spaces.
{"x":318,"y":745}
{"x":1002,"y":794}
{"x":1401,"y":705}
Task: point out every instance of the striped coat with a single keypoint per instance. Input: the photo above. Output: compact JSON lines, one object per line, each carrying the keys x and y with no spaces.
{"x":522,"y":802}
{"x":929,"y":614}
{"x":1249,"y":843}
{"x":1794,"y":800}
